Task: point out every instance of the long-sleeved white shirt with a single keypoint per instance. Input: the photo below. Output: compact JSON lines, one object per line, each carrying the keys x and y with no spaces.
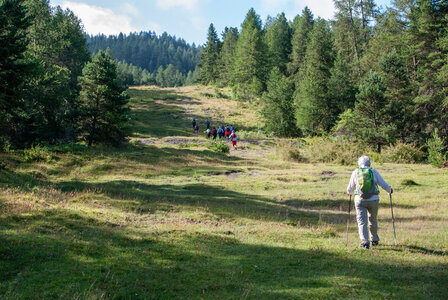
{"x":377,"y":179}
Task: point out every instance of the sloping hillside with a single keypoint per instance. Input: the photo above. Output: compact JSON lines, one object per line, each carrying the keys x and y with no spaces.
{"x":167,"y":217}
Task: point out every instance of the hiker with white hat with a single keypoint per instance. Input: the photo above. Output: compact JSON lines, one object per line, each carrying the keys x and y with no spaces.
{"x":364,"y":184}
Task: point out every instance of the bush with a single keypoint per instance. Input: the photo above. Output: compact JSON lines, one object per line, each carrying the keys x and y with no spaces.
{"x":218,"y":146}
{"x":220,"y":94}
{"x":436,"y":157}
{"x":286,"y":151}
{"x":251,"y":135}
{"x":207,"y":95}
{"x":346,"y":151}
{"x":322,"y":149}
{"x":5,"y":146}
{"x":403,"y":153}
{"x":37,"y":153}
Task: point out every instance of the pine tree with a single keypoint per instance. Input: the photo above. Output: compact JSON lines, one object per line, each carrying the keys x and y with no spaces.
{"x":352,"y":30}
{"x":193,"y":77}
{"x":400,"y":107}
{"x":278,"y":41}
{"x":388,"y":36}
{"x":370,"y":109}
{"x":209,"y":62}
{"x":14,"y":68}
{"x":427,"y":24}
{"x":314,"y":113}
{"x":59,"y":52}
{"x":299,"y":41}
{"x":160,"y":79}
{"x":230,"y":37}
{"x":341,"y":90}
{"x":249,"y":59}
{"x":104,"y":110}
{"x":277,"y":106}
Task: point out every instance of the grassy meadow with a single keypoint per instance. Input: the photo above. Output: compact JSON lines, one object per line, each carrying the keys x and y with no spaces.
{"x":165,"y":217}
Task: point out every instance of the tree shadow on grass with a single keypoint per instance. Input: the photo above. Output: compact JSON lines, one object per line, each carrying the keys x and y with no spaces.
{"x":151,"y":154}
{"x":67,"y":255}
{"x":422,"y":250}
{"x":134,"y":196}
{"x":335,"y":204}
{"x":140,"y":197}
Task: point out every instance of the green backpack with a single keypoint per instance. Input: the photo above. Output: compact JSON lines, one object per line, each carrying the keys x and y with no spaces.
{"x":366,"y":186}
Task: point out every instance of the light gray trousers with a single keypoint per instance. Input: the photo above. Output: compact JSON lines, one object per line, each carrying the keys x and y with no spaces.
{"x":366,"y":214}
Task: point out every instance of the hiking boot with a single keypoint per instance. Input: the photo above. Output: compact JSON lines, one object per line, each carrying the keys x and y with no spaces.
{"x":374,"y":243}
{"x":365,"y":246}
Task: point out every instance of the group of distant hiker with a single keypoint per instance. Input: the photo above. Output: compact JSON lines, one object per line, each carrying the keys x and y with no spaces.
{"x":227,"y":131}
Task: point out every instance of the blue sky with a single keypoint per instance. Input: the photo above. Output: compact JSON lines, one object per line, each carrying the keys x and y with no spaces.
{"x":187,"y":19}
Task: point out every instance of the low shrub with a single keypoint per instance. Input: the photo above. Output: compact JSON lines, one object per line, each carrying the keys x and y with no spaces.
{"x":287,"y":151}
{"x":251,"y":135}
{"x":4,"y":145}
{"x":37,"y":153}
{"x":218,"y":146}
{"x":327,"y":150}
{"x":403,"y":153}
{"x":207,"y":95}
{"x":220,"y":94}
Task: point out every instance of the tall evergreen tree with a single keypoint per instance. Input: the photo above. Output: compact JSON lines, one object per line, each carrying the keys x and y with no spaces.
{"x":427,"y":25}
{"x":400,"y":107}
{"x":299,"y":41}
{"x":14,"y":68}
{"x":278,"y":107}
{"x":59,"y":51}
{"x":230,"y":37}
{"x":249,"y":59}
{"x":341,"y":90}
{"x":278,"y":41}
{"x":209,"y":62}
{"x":104,"y":111}
{"x":352,"y":30}
{"x":370,"y":109}
{"x":314,"y":109}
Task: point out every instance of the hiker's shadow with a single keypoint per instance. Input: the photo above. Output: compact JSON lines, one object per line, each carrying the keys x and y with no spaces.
{"x":411,"y":249}
{"x":422,"y":250}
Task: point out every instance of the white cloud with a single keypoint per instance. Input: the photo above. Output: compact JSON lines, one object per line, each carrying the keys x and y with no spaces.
{"x":130,"y":9}
{"x":320,"y":8}
{"x":100,"y":20}
{"x":167,"y":4}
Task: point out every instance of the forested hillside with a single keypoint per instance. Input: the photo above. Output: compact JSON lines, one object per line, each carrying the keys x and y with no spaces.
{"x":379,"y":77}
{"x":150,"y":59}
{"x":51,"y":89}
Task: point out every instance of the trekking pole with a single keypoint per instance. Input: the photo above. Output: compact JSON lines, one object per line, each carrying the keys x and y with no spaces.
{"x":348,"y":220}
{"x":393,"y":219}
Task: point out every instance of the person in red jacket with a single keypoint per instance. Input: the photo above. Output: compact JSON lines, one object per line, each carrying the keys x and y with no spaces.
{"x":233,"y":138}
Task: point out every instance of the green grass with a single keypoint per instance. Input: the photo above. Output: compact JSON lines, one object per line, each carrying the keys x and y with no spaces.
{"x":172,"y":219}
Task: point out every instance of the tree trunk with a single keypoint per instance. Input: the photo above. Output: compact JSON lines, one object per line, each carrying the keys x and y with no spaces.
{"x":355,"y":41}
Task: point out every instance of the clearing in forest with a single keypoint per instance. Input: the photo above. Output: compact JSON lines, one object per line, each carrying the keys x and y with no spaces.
{"x":167,"y":217}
